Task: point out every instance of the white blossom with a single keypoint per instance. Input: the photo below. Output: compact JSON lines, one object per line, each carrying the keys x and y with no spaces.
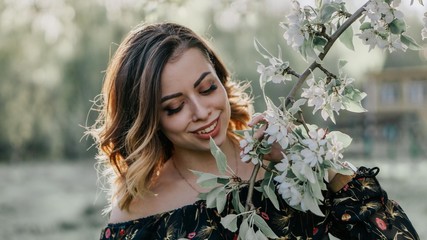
{"x":277,"y":130}
{"x":381,"y":14}
{"x":275,"y":72}
{"x":369,"y":37}
{"x":289,"y":191}
{"x":283,"y":165}
{"x":314,"y":154}
{"x":315,"y":94}
{"x":335,"y":149}
{"x":294,"y":34}
{"x":303,"y":169}
{"x":397,"y":44}
{"x":248,"y":153}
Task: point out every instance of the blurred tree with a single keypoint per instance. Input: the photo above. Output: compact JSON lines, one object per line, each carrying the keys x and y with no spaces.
{"x":53,"y":54}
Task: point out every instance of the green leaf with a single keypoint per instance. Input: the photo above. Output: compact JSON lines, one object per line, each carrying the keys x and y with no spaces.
{"x":357,"y":95}
{"x":260,"y":236}
{"x":327,"y":112}
{"x":352,"y":100}
{"x":310,"y":51}
{"x":342,"y":137}
{"x":353,"y":106}
{"x":221,"y":159}
{"x":222,"y":180}
{"x":316,"y":189}
{"x":365,"y":26}
{"x":244,"y":228}
{"x":259,"y":189}
{"x":309,"y":203}
{"x":347,"y":38}
{"x":203,"y":195}
{"x":302,"y":50}
{"x":326,"y":12}
{"x":241,"y":133}
{"x":319,"y":41}
{"x":230,"y":222}
{"x":263,"y":226}
{"x":206,"y":180}
{"x":238,"y":206}
{"x":250,"y":234}
{"x":410,"y":42}
{"x":397,"y":26}
{"x":211,"y":197}
{"x":297,"y":106}
{"x":262,"y":50}
{"x":221,"y":200}
{"x":270,"y":193}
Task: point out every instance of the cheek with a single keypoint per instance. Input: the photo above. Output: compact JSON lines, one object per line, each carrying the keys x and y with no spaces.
{"x":172,"y":124}
{"x":167,"y":126}
{"x":222,"y":96}
{"x":226,"y":103}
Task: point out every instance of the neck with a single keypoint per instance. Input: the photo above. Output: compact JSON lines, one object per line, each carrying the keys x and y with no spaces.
{"x":203,"y":161}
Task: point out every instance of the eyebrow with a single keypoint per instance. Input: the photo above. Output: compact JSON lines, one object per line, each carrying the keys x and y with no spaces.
{"x":196,"y":83}
{"x":199,"y":80}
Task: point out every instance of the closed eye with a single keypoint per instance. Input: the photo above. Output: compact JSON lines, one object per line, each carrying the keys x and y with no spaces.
{"x":212,"y":88}
{"x":171,"y":111}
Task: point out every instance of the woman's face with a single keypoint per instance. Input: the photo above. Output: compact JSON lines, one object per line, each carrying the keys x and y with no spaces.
{"x":194,"y":103}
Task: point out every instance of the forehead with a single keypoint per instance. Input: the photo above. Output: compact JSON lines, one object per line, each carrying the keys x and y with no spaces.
{"x":185,"y":68}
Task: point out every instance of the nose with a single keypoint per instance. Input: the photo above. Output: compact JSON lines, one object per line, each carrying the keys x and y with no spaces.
{"x":200,"y":111}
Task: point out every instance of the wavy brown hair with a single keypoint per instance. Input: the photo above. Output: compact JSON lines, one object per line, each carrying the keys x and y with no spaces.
{"x":131,"y":147}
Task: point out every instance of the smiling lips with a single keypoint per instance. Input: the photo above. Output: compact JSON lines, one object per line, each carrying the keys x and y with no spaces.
{"x":210,"y":131}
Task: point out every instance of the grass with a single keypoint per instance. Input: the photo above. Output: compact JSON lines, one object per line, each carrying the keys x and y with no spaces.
{"x":50,"y":201}
{"x":60,"y":200}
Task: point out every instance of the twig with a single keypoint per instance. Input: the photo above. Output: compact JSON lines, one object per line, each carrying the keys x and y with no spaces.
{"x":326,"y":72}
{"x":290,"y":71}
{"x":303,"y":121}
{"x":249,"y":205}
{"x":268,"y":169}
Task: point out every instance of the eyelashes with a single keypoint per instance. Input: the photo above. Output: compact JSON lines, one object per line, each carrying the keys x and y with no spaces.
{"x":213,"y":87}
{"x":171,"y":110}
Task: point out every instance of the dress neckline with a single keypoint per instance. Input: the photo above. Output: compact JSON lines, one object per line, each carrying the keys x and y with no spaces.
{"x":197,"y":203}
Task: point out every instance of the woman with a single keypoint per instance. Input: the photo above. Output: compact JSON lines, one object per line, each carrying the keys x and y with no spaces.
{"x":166,"y":93}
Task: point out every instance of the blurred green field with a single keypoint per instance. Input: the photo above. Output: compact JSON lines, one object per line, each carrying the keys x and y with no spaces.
{"x":50,"y":201}
{"x":60,"y":200}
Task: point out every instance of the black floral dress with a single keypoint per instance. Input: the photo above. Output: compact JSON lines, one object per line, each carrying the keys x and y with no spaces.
{"x":360,"y":210}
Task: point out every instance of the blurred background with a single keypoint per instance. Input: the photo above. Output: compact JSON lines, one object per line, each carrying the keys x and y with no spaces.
{"x":53,"y":54}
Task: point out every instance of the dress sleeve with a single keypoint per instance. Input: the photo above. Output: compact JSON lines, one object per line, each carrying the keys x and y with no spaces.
{"x":362,"y":210}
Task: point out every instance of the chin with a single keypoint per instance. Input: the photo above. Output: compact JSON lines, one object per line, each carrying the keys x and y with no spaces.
{"x":221,"y":138}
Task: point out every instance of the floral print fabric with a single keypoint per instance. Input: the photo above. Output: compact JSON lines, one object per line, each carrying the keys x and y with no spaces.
{"x":360,"y":210}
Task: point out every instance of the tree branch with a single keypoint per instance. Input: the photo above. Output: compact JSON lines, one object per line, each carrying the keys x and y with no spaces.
{"x":249,"y":205}
{"x":322,"y":55}
{"x":326,"y":72}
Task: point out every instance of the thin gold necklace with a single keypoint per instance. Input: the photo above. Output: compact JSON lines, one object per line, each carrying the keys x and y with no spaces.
{"x":185,"y":179}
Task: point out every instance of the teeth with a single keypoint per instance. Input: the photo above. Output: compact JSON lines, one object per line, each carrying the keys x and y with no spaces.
{"x":209,"y":129}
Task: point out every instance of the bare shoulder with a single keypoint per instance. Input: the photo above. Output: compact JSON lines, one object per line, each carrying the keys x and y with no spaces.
{"x":118,"y":215}
{"x":169,"y":193}
{"x":139,"y":208}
